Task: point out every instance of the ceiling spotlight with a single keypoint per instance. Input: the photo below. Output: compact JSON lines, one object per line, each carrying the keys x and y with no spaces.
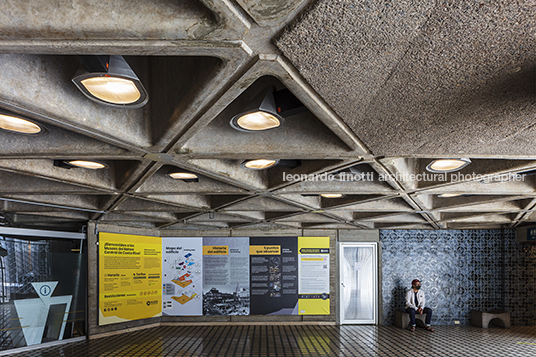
{"x":19,"y":125}
{"x":447,"y":165}
{"x":92,"y":165}
{"x":186,"y":176}
{"x":332,"y":195}
{"x":267,"y":110}
{"x":447,"y":195}
{"x":260,"y":114}
{"x":259,"y":164}
{"x":110,"y":80}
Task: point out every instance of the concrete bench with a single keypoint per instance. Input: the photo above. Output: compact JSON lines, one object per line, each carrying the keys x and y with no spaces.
{"x":402,"y":319}
{"x":496,"y":318}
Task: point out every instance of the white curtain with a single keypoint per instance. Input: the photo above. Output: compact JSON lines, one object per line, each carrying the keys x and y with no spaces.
{"x":358,"y":278}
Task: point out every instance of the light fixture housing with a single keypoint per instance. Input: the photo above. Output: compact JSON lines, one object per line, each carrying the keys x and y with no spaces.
{"x":440,"y":166}
{"x":84,"y":164}
{"x":259,"y":164}
{"x":332,"y":195}
{"x":183,"y":175}
{"x":260,"y":114}
{"x":449,"y":195}
{"x":19,"y":125}
{"x":109,"y":80}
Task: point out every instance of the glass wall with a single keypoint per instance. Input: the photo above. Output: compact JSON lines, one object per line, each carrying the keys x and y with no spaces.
{"x":43,"y":290}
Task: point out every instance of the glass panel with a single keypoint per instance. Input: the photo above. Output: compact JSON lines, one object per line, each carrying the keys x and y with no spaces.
{"x":43,"y":290}
{"x":358,"y":284}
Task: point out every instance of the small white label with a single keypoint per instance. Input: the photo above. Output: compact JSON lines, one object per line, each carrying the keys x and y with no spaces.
{"x":302,"y":311}
{"x":456,"y":322}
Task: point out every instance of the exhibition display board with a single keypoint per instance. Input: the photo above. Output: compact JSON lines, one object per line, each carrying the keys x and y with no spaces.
{"x":143,"y":277}
{"x":130,"y":282}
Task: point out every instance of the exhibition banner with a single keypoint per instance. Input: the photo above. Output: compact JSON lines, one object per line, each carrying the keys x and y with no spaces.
{"x":142,"y":277}
{"x":130,"y":284}
{"x":226,"y":276}
{"x":313,"y":257}
{"x":274,"y":275}
{"x":182,"y":276}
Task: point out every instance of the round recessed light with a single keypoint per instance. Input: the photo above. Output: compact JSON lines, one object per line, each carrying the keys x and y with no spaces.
{"x":331,"y":195}
{"x":447,"y":195}
{"x":92,"y":165}
{"x":19,"y":125}
{"x":256,"y":121}
{"x":182,"y":175}
{"x":113,"y":90}
{"x":447,"y":165}
{"x":259,"y":164}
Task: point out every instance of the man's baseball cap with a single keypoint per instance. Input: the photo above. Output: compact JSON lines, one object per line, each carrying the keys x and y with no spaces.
{"x":415,"y":281}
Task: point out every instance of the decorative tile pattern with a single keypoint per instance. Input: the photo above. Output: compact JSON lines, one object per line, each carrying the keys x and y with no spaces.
{"x":303,"y":340}
{"x":460,"y":270}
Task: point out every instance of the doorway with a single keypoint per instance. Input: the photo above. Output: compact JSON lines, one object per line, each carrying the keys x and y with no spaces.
{"x":358,"y":272}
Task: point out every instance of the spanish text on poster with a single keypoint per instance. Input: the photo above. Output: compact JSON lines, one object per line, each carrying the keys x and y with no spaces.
{"x":182,"y":278}
{"x":226,"y":276}
{"x":314,"y":275}
{"x":129,"y":277}
{"x":274,"y":275}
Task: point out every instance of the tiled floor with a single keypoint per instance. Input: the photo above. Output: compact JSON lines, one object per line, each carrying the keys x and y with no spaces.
{"x":304,"y":340}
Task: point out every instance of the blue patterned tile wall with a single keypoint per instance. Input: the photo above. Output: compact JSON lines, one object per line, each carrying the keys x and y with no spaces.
{"x":460,"y":270}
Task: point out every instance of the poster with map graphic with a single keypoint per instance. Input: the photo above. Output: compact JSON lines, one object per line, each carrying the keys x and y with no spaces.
{"x":182,"y":276}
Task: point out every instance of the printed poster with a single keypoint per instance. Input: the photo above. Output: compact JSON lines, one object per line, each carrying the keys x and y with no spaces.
{"x":313,"y":256}
{"x":182,"y":276}
{"x":130,"y":269}
{"x":226,"y":276}
{"x":274,"y":275}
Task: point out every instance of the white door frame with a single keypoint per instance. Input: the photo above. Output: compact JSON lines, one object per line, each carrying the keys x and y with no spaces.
{"x":374,"y":246}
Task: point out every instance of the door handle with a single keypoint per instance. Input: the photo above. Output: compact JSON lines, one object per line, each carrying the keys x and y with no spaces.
{"x":343,"y":285}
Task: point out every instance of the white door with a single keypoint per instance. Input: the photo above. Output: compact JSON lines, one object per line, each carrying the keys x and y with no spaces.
{"x":358,"y":272}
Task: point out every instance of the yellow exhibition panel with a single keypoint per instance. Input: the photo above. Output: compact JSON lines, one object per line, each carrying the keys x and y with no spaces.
{"x":130,"y":281}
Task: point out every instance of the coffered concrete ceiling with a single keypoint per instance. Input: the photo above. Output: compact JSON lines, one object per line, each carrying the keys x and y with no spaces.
{"x":388,"y":86}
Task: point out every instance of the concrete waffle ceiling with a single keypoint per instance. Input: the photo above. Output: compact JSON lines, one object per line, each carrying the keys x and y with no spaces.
{"x":388,"y":87}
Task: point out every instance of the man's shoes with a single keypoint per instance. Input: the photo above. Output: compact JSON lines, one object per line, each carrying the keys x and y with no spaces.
{"x":411,"y":328}
{"x":428,"y":328}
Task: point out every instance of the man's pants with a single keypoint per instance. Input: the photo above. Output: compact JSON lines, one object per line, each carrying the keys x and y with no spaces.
{"x":426,"y":311}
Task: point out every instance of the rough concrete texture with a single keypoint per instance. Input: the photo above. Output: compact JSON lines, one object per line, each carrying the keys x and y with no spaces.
{"x":386,"y":87}
{"x":425,"y":79}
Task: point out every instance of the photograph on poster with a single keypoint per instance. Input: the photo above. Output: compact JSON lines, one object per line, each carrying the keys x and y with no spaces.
{"x":226,"y":276}
{"x":274,"y":275}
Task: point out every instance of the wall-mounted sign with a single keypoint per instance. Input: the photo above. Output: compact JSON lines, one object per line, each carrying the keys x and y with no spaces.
{"x":130,"y":283}
{"x":143,"y":277}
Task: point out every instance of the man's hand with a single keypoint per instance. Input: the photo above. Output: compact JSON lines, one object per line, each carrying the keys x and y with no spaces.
{"x":419,"y":311}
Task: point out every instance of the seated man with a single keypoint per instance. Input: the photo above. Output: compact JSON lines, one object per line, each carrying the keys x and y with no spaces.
{"x":415,"y":304}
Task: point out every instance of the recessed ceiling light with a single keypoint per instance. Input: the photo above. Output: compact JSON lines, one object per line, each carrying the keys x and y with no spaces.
{"x":447,"y":165}
{"x":112,"y":89}
{"x":110,"y":80}
{"x":19,"y":125}
{"x":259,"y":164}
{"x":180,"y":174}
{"x":259,"y":115}
{"x":92,"y":165}
{"x":447,"y":195}
{"x":331,"y":195}
{"x":257,"y":121}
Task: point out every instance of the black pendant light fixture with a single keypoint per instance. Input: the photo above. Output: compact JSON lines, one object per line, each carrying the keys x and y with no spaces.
{"x":109,"y":80}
